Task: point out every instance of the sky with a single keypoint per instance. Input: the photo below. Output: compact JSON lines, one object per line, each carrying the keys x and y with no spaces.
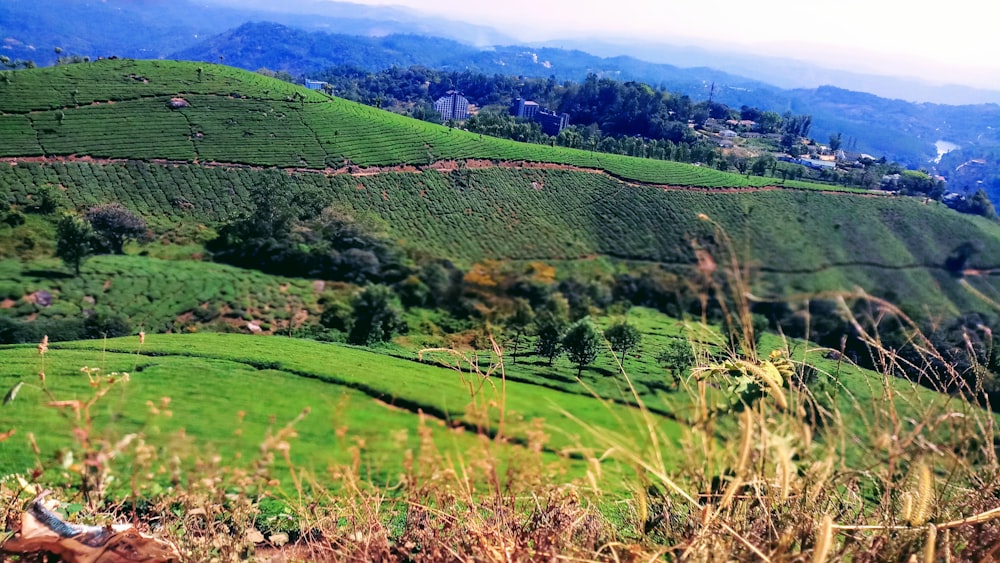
{"x":955,"y":42}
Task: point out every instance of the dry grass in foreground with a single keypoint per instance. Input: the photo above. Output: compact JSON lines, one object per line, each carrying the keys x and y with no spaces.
{"x":770,"y":469}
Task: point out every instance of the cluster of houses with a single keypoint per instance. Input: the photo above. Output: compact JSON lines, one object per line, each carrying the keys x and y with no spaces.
{"x":818,"y":157}
{"x":726,"y":131}
{"x":454,"y":106}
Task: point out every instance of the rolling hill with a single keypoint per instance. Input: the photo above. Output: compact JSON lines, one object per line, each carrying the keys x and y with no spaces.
{"x":183,"y":143}
{"x":883,"y":126}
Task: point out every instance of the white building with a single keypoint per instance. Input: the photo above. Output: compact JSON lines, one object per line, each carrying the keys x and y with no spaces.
{"x":452,"y":106}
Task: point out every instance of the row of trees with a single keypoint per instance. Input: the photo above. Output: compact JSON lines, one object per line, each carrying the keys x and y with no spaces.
{"x":374,"y":315}
{"x":557,"y":315}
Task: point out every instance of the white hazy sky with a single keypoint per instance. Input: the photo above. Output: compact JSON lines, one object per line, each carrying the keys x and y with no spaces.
{"x":955,"y":41}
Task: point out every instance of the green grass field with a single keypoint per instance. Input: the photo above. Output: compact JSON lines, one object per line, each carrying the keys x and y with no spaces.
{"x":355,"y":396}
{"x":360,"y":396}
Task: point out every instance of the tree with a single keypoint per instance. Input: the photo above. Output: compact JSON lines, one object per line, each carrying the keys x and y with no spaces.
{"x":339,"y":316}
{"x":377,"y":316}
{"x":919,"y":182}
{"x":113,"y":225}
{"x":548,"y":341}
{"x":676,"y":358}
{"x":836,"y":141}
{"x":46,"y":200}
{"x":761,"y":164}
{"x":769,"y":122}
{"x":739,"y":163}
{"x":979,"y":204}
{"x":582,"y":342}
{"x":74,"y":241}
{"x":519,"y":321}
{"x":623,"y":336}
{"x":99,"y":325}
{"x":555,"y":308}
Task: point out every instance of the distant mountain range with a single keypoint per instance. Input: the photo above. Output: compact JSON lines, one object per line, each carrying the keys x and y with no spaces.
{"x":304,"y":36}
{"x":30,"y":29}
{"x":787,"y":72}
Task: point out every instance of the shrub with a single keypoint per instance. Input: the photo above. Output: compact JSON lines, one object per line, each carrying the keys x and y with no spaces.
{"x":104,"y":325}
{"x":14,"y":218}
{"x":377,"y":316}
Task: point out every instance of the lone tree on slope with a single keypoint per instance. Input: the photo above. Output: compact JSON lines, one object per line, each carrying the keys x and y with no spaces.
{"x":582,"y":342}
{"x":519,"y":320}
{"x":623,"y":337}
{"x":548,"y":343}
{"x":74,"y":241}
{"x":114,"y":225}
{"x":677,"y":358}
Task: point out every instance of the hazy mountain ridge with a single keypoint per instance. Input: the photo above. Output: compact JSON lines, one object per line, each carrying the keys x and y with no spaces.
{"x":788,"y":73}
{"x":31,"y":29}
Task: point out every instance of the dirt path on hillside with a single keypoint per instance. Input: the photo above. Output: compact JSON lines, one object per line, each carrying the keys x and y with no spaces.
{"x":439,"y":166}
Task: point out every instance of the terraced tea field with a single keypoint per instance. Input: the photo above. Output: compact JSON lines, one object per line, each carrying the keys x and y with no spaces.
{"x":121,"y":109}
{"x":801,"y":241}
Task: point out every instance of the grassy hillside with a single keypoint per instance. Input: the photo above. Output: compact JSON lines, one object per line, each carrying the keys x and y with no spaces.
{"x":798,"y":240}
{"x":211,"y":378}
{"x":119,"y":109}
{"x":159,"y":295}
{"x":444,"y":192}
{"x":315,"y":440}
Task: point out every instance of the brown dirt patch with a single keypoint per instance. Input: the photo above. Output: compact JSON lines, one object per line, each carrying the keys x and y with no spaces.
{"x":300,"y":318}
{"x":386,"y":405}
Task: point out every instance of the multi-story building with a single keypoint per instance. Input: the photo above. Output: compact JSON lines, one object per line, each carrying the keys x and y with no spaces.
{"x":452,"y":105}
{"x":524,"y":109}
{"x":552,"y":123}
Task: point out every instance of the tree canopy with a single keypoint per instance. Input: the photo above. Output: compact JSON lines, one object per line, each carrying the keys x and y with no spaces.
{"x":623,"y":336}
{"x":74,"y":241}
{"x":582,"y":342}
{"x":377,"y":316}
{"x":114,"y":225}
